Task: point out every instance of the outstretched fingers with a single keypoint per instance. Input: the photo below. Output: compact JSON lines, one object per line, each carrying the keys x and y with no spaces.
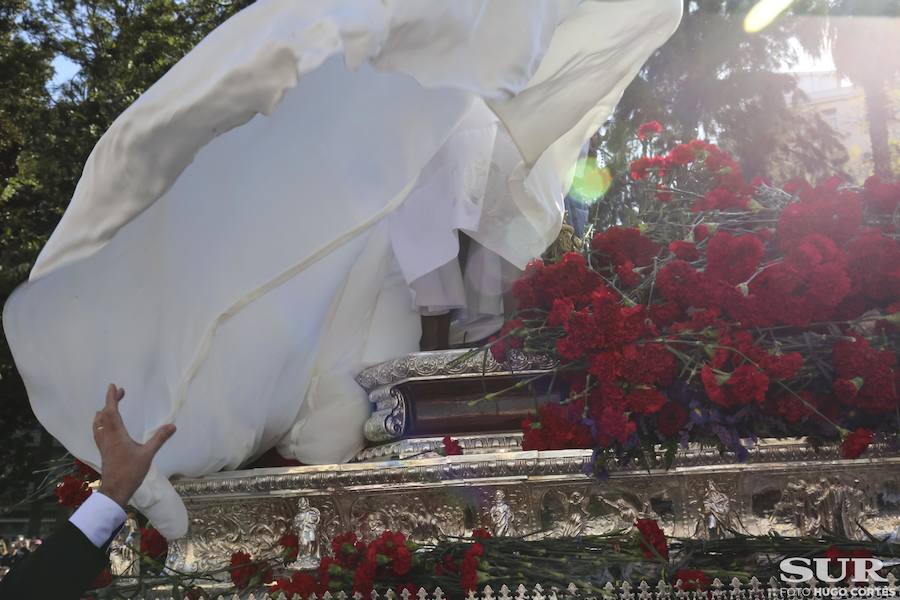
{"x":110,"y":416}
{"x":159,"y":437}
{"x":114,"y":395}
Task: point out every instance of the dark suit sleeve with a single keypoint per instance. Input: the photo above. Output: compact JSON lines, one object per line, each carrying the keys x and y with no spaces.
{"x":61,"y":569}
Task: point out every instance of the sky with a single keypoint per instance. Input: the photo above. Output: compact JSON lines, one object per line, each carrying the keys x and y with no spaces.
{"x":66,"y":69}
{"x":809,"y":63}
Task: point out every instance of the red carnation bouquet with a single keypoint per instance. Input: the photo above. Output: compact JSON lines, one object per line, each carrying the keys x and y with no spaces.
{"x":728,"y":311}
{"x":353,"y":564}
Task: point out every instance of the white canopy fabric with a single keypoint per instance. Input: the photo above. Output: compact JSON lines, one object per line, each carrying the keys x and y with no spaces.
{"x":238,"y":247}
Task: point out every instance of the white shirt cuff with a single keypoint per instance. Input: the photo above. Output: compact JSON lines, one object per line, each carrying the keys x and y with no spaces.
{"x":98,"y":518}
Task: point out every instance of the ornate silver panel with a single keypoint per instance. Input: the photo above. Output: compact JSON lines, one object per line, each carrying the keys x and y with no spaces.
{"x":784,"y":486}
{"x":446,"y":364}
{"x":493,"y":443}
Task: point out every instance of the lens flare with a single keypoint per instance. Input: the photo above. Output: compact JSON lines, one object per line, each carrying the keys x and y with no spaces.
{"x":591,"y":181}
{"x":763,"y":13}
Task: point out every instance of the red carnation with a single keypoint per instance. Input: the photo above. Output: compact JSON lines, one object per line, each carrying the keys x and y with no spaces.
{"x":507,"y":339}
{"x":542,"y":284}
{"x":301,"y":584}
{"x":290,"y":547}
{"x":882,"y":196}
{"x":481,"y":534}
{"x":808,"y":285}
{"x":678,"y":281}
{"x":847,"y":389}
{"x":684,"y":250}
{"x":613,"y":426}
{"x":644,"y":165}
{"x":628,"y":277}
{"x":364,"y":576}
{"x":782,"y":366}
{"x":195,"y":593}
{"x":747,"y":383}
{"x":791,"y":408}
{"x":153,"y":544}
{"x":561,"y":311}
{"x":663,"y":194}
{"x":102,"y":580}
{"x":86,"y":472}
{"x":649,"y":129}
{"x":733,"y":258}
{"x":72,"y":491}
{"x":446,"y":566}
{"x":681,"y":155}
{"x":856,"y":443}
{"x":468,"y":577}
{"x":701,"y":232}
{"x":744,"y":385}
{"x":834,"y":213}
{"x":833,"y":554}
{"x":653,"y":540}
{"x":451,"y":447}
{"x":533,"y":435}
{"x":622,"y":245}
{"x":872,"y":371}
{"x":245,"y":572}
{"x":721,"y":198}
{"x":409,"y":588}
{"x":469,"y":567}
{"x":348,"y":549}
{"x":692,"y":579}
{"x":671,"y":418}
{"x":401,"y":561}
{"x":648,"y":364}
{"x":645,"y":401}
{"x":873,"y":262}
{"x":329,"y":567}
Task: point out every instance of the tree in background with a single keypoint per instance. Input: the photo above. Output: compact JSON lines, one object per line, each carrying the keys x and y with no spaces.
{"x":863,"y":37}
{"x":714,"y":80}
{"x":47,"y":130}
{"x":24,"y":72}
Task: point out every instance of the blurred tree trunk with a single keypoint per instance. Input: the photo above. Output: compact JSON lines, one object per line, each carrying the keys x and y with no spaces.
{"x":878,"y":114}
{"x":865,"y":47}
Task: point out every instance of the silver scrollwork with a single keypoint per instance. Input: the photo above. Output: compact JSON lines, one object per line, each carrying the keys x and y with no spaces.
{"x":388,"y":420}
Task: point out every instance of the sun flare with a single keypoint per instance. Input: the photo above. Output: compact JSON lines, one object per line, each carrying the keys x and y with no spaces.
{"x":764,"y":13}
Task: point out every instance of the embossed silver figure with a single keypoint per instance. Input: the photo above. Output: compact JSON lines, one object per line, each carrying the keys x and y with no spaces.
{"x":842,"y":506}
{"x":826,"y":507}
{"x":623,"y":515}
{"x":577,"y":518}
{"x":717,"y":520}
{"x":306,"y":528}
{"x":123,"y":557}
{"x":501,"y":516}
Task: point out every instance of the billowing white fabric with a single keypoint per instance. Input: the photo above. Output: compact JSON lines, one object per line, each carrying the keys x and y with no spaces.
{"x":231,"y":257}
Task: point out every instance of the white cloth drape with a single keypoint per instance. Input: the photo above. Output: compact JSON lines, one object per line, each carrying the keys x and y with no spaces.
{"x":238,"y":245}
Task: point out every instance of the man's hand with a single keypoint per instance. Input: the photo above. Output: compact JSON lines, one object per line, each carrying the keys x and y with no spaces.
{"x":123,"y":462}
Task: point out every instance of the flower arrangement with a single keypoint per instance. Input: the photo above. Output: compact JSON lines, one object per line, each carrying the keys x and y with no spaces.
{"x":460,"y":565}
{"x":728,"y":312}
{"x":725,"y":312}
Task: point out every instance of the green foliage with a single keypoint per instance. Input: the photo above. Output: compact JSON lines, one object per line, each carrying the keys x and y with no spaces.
{"x":120,"y":48}
{"x":714,"y":81}
{"x":24,"y":71}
